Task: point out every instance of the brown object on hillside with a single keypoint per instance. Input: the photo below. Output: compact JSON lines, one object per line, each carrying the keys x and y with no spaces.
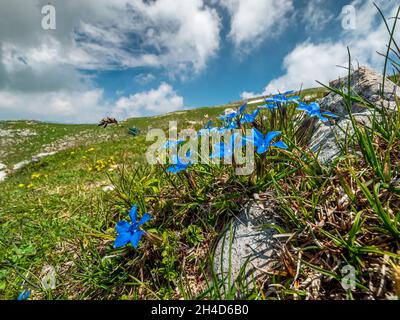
{"x":107,"y":121}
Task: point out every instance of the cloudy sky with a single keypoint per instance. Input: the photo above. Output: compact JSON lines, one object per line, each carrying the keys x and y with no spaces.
{"x":129,"y":58}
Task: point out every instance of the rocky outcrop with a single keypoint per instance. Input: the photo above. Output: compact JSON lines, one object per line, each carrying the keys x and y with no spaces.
{"x":365,"y":83}
{"x":4,"y":172}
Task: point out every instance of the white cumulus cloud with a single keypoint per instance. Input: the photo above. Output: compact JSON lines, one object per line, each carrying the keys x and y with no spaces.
{"x":253,"y":21}
{"x":155,"y":101}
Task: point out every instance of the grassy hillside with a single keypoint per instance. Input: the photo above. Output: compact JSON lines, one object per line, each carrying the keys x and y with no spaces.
{"x":20,"y":140}
{"x":59,"y":213}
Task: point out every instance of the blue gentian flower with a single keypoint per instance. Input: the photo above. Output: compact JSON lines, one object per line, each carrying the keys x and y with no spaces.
{"x":129,"y":232}
{"x":314,"y":110}
{"x":250,"y":118}
{"x":282,"y":99}
{"x":179,"y":165}
{"x":24,"y":295}
{"x":263,"y":143}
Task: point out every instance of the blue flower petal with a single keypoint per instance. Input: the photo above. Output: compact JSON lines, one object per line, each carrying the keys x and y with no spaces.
{"x":280,"y":145}
{"x":122,"y":239}
{"x":24,"y":295}
{"x":173,"y":169}
{"x":288,"y":92}
{"x":323,"y":119}
{"x":258,"y":136}
{"x":122,"y":226}
{"x":262,"y":149}
{"x":304,"y":107}
{"x":271,"y":135}
{"x":136,"y":238}
{"x":133,"y":213}
{"x":243,"y":108}
{"x":146,"y":218}
{"x":177,"y":168}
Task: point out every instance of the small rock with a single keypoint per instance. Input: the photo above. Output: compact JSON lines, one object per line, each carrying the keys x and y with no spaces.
{"x":10,"y":133}
{"x":255,"y":101}
{"x":35,"y":158}
{"x":108,"y":188}
{"x":21,"y":165}
{"x":229,"y":111}
{"x":309,"y":98}
{"x":251,"y":246}
{"x":3,"y":172}
{"x":42,"y":155}
{"x":3,"y":176}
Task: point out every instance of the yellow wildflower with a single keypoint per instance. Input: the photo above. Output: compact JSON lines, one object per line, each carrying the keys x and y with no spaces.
{"x":35,"y":176}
